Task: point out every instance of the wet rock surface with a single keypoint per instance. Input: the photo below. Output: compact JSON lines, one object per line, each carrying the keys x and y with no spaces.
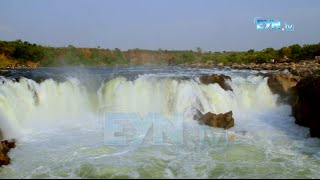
{"x":281,"y":84}
{"x":225,"y":121}
{"x":217,"y":78}
{"x":303,"y":94}
{"x":5,"y":147}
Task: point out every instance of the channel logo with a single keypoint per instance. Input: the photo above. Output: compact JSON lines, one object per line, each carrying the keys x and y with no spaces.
{"x":272,"y":24}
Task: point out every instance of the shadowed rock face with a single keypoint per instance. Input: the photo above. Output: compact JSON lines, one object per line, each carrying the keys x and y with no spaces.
{"x":5,"y":72}
{"x":305,"y":104}
{"x":303,"y":94}
{"x":216,"y":78}
{"x":225,"y":121}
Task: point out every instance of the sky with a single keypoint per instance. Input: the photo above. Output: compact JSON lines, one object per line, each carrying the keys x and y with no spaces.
{"x":213,"y":25}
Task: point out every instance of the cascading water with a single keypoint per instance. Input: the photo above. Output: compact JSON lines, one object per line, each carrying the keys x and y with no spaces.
{"x":167,"y":95}
{"x":55,"y":125}
{"x":27,"y":105}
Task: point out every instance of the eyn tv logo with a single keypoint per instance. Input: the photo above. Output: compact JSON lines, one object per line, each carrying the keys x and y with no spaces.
{"x":272,"y":24}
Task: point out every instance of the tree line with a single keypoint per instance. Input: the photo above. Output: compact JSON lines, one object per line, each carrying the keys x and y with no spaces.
{"x":23,"y":51}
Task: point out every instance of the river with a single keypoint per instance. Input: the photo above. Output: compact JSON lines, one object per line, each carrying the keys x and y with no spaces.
{"x":58,"y":117}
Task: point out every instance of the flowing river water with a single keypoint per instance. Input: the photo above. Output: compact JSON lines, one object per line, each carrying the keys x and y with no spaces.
{"x":57,"y":116}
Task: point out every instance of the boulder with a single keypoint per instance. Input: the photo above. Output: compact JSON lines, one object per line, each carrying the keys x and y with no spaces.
{"x":5,"y":147}
{"x":225,"y":121}
{"x":305,"y":71}
{"x":281,"y":84}
{"x":305,"y":104}
{"x":216,"y":78}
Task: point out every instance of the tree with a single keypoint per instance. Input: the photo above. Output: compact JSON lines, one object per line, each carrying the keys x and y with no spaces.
{"x":284,"y":52}
{"x":18,"y":41}
{"x":251,"y":51}
{"x":118,"y":57}
{"x":232,"y":57}
{"x":296,"y":52}
{"x":269,"y":50}
{"x":71,"y":47}
{"x":199,"y":50}
{"x":185,"y":56}
{"x":262,"y":58}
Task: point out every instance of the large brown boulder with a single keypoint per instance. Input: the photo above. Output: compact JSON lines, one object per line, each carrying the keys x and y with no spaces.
{"x":217,"y":78}
{"x":5,"y":147}
{"x":225,"y":121}
{"x":281,"y":84}
{"x":305,"y":104}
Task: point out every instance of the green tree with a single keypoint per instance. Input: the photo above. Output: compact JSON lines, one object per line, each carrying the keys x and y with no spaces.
{"x":199,"y":50}
{"x":296,"y":52}
{"x":251,"y":51}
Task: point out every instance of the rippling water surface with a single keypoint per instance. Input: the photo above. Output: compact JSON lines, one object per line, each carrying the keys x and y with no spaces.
{"x":57,"y":117}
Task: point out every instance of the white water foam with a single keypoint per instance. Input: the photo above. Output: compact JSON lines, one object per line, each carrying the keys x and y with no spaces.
{"x":52,"y":122}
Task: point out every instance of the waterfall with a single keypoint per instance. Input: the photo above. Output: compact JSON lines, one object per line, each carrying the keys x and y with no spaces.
{"x":30,"y":106}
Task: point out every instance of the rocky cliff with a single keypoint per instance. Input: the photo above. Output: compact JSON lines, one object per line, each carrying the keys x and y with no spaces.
{"x":303,"y":94}
{"x":305,"y":104}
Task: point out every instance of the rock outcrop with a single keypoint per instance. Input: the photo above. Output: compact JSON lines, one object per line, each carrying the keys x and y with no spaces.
{"x":305,"y":104}
{"x":225,"y":121}
{"x":281,"y":84}
{"x":303,"y":94}
{"x":5,"y":147}
{"x":217,"y":78}
{"x":302,"y":68}
{"x":5,"y":72}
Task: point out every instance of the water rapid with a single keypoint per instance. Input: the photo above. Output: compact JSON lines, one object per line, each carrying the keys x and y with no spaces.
{"x":56,"y":124}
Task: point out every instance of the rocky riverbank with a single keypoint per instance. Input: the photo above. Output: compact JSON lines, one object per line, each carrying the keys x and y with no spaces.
{"x":303,"y":94}
{"x":302,"y":69}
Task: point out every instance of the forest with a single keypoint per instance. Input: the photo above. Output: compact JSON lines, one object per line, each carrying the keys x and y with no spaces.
{"x":23,"y":52}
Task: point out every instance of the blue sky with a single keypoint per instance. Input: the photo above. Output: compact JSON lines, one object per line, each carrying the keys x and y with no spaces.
{"x":214,"y":25}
